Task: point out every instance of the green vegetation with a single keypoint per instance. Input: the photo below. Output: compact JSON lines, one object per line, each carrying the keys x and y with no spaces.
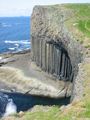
{"x":81,"y":10}
{"x":86,"y":113}
{"x":84,"y":26}
{"x":87,"y":46}
{"x":39,"y":115}
{"x":86,"y":99}
{"x":79,"y":24}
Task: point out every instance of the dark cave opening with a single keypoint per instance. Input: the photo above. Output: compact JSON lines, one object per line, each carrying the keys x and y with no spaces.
{"x":61,"y":60}
{"x":53,"y":58}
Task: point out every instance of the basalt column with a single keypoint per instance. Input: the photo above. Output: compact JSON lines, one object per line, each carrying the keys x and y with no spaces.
{"x":52,"y":58}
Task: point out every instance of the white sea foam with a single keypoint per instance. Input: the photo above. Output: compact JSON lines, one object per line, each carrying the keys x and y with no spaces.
{"x":11,"y":48}
{"x":17,"y":45}
{"x":14,"y":48}
{"x":0,"y":58}
{"x":10,"y":108}
{"x":6,"y":25}
{"x":17,"y":42}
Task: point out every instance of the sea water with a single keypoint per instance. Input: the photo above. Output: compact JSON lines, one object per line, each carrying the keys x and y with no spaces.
{"x":7,"y":106}
{"x":14,"y":34}
{"x":14,"y":37}
{"x":11,"y":103}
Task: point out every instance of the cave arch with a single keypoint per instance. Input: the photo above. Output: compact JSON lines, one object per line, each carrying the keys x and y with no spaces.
{"x":52,"y":57}
{"x":60,"y":60}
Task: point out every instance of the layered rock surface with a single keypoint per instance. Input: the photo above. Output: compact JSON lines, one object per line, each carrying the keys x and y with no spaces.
{"x":22,"y":75}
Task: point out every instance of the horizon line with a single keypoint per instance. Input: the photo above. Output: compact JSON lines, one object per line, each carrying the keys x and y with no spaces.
{"x":17,"y":16}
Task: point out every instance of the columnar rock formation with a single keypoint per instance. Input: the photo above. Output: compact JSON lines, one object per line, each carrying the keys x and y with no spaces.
{"x":53,"y":48}
{"x":52,"y":58}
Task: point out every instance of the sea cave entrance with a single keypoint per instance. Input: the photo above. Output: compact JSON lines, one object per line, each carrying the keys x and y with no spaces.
{"x":53,"y":58}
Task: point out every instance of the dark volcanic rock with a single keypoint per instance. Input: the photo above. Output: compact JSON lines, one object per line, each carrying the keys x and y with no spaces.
{"x":54,"y":49}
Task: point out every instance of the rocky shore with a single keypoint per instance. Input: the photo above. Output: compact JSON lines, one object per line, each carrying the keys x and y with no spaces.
{"x":50,"y":26}
{"x":54,"y":67}
{"x":19,"y":74}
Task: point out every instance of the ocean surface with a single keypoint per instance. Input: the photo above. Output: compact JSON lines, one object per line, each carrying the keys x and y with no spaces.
{"x":14,"y":34}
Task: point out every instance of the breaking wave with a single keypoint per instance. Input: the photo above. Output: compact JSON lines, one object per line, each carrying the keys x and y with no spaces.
{"x":3,"y":25}
{"x":15,"y":46}
{"x":10,"y":108}
{"x":7,"y":106}
{"x":17,"y":42}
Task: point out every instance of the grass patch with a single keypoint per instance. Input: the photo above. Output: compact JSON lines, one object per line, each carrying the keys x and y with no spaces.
{"x":84,"y":26}
{"x":81,"y":16}
{"x":81,"y":10}
{"x":86,"y":112}
{"x":51,"y":114}
{"x":87,"y":46}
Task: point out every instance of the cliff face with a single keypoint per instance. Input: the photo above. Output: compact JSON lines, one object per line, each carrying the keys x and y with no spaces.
{"x":54,"y":49}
